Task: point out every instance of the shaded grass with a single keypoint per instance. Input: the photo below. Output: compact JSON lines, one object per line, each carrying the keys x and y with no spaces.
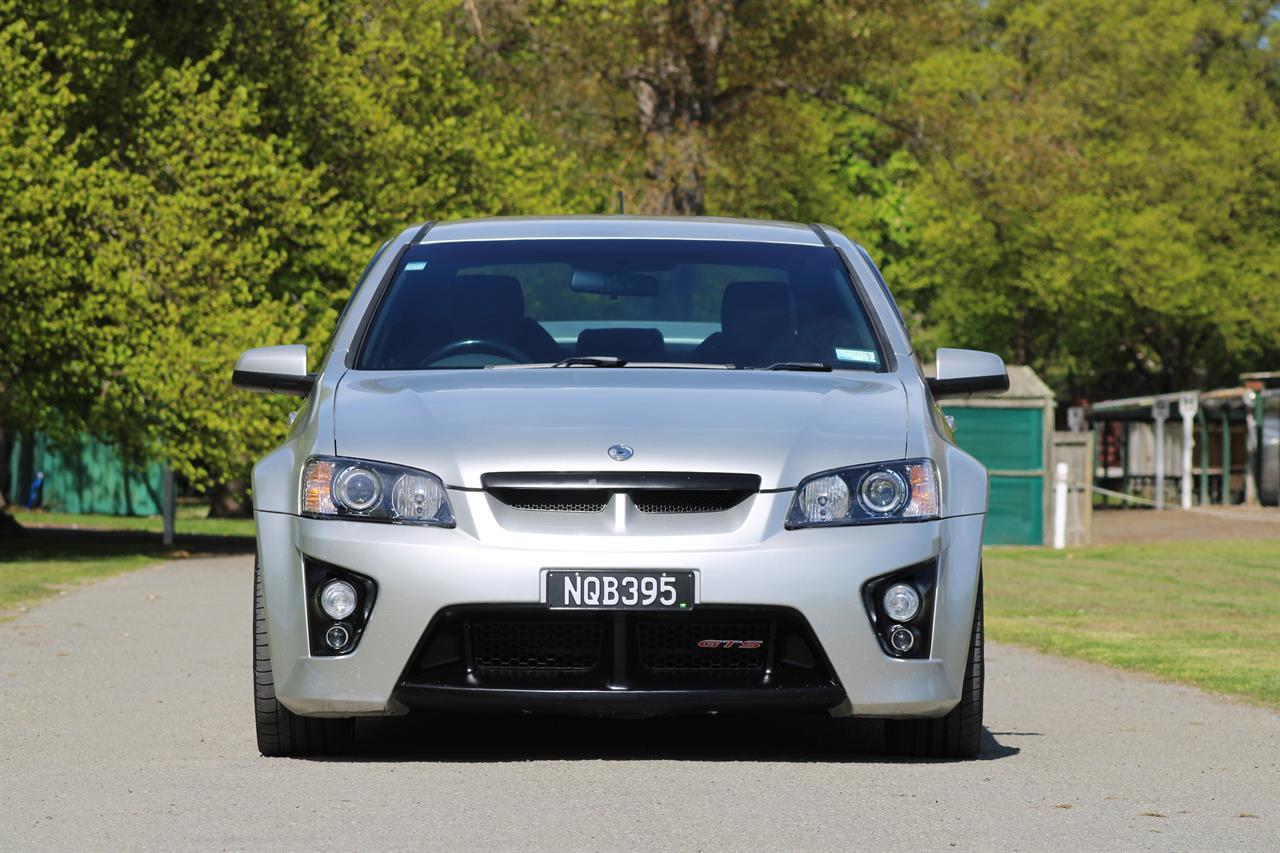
{"x":1201,"y":613}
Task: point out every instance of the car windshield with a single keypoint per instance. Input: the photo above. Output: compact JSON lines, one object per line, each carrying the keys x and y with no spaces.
{"x":640,"y":302}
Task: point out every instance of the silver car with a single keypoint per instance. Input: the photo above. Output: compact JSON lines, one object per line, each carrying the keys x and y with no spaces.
{"x":619,"y":466}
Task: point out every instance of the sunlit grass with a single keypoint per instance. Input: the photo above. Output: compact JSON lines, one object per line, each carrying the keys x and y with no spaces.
{"x":64,"y":550}
{"x":1202,"y":613}
{"x":26,"y":577}
{"x":191,"y":520}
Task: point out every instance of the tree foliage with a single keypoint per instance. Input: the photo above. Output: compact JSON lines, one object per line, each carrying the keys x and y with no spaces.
{"x":1090,"y":187}
{"x":1099,"y":192}
{"x":183,"y":182}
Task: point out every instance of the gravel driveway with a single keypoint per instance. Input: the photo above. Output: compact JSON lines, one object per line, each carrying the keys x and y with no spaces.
{"x":125,"y":721}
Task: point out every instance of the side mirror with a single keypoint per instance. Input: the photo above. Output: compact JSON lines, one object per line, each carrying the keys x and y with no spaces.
{"x":961,"y":372}
{"x":275,"y":370}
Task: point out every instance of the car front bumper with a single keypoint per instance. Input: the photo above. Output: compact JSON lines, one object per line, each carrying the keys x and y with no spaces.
{"x":818,"y":573}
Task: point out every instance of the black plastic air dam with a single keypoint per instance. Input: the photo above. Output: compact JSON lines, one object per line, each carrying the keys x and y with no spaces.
{"x":622,"y":703}
{"x":522,"y":658}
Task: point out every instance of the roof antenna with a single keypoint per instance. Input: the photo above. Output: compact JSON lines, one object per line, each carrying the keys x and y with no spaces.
{"x":622,"y":207}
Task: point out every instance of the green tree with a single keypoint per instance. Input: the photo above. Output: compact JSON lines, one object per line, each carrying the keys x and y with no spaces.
{"x":60,"y":321}
{"x":1099,"y":191}
{"x":189,"y":181}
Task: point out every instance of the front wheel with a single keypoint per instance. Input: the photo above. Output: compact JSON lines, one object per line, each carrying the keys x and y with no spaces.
{"x":280,"y":731}
{"x":959,"y":733}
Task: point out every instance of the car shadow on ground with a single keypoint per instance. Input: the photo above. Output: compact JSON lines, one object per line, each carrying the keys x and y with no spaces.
{"x":491,"y":738}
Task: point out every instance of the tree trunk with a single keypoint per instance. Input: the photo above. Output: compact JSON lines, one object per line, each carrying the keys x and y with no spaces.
{"x":9,"y":526}
{"x":677,"y":95}
{"x":230,"y":500}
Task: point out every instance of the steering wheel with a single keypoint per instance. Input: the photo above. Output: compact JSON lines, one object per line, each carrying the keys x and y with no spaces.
{"x":484,"y":345}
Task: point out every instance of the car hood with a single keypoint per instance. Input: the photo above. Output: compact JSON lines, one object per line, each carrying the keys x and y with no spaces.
{"x":460,"y":425}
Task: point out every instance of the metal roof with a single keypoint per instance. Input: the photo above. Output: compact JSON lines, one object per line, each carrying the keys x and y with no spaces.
{"x":1139,"y":408}
{"x":622,"y":227}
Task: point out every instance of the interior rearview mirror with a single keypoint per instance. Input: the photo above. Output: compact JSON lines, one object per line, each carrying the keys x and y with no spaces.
{"x":961,"y":372}
{"x":275,"y":370}
{"x":613,"y":283}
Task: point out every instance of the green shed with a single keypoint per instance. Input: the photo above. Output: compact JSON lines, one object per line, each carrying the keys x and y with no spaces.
{"x":1012,"y":434}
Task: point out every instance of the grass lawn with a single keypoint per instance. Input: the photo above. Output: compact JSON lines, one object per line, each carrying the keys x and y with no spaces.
{"x":191,"y":520}
{"x":27,"y":575}
{"x":63,"y":550}
{"x":1203,"y":613}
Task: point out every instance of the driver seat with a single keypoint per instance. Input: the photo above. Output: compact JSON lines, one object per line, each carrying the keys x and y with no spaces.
{"x":491,"y":307}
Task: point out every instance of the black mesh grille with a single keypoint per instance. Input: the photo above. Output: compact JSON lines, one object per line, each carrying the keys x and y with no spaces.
{"x":676,"y":645}
{"x":547,"y":646}
{"x":651,"y":492}
{"x":554,"y":500}
{"x":685,"y":500}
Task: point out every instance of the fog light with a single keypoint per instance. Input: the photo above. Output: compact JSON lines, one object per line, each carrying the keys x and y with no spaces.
{"x":901,"y":602}
{"x":337,"y":637}
{"x":902,"y":639}
{"x":338,"y":599}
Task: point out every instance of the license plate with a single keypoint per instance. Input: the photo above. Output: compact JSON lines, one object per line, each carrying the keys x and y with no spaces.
{"x":654,"y":590}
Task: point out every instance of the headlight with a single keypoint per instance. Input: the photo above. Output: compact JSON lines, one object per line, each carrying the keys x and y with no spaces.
{"x":357,"y":489}
{"x":868,"y":494}
{"x":354,"y":489}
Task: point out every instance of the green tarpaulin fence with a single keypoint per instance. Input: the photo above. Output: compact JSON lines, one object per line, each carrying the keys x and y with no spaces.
{"x":84,"y":476}
{"x":1011,"y":434}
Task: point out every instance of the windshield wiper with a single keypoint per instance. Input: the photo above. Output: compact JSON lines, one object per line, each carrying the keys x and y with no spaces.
{"x":812,"y":366}
{"x":591,"y":361}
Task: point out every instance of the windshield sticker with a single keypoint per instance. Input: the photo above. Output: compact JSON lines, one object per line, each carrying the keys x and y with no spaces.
{"x":414,"y":266}
{"x":865,"y":356}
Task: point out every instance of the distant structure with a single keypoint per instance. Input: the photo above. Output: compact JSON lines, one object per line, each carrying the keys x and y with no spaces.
{"x":1225,"y":450}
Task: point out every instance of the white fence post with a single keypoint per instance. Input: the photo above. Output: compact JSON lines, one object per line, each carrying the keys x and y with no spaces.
{"x":1159,"y":411}
{"x":1060,"y":507}
{"x":1187,"y":405}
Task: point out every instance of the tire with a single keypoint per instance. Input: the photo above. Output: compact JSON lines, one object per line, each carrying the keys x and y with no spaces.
{"x":959,"y":733}
{"x":280,"y":731}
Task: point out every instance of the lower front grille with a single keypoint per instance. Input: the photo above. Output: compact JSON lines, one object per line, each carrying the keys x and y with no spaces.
{"x":530,"y":647}
{"x":702,"y":646}
{"x":535,"y":646}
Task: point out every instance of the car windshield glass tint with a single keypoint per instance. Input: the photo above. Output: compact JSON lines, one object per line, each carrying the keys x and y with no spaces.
{"x":493,"y":303}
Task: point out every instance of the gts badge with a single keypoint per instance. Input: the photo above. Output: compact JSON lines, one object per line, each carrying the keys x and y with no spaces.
{"x":730,"y":644}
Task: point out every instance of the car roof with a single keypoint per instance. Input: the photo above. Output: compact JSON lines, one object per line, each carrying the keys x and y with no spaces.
{"x":621,"y":228}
